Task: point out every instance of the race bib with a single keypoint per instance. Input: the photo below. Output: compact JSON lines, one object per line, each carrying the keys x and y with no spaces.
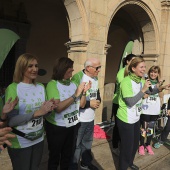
{"x":35,"y":123}
{"x":151,"y":99}
{"x":71,"y":119}
{"x":93,"y":95}
{"x":138,"y":109}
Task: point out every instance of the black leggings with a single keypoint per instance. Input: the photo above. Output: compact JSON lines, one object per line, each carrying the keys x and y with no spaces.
{"x":129,"y":135}
{"x":115,"y":134}
{"x":146,"y":118}
{"x":60,"y":145}
{"x":166,"y":130}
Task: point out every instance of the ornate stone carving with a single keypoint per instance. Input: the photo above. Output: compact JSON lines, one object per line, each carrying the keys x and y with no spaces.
{"x":165,"y":4}
{"x":77,"y":46}
{"x":106,"y":48}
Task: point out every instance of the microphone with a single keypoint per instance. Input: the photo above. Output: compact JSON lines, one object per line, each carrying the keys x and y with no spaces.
{"x":146,"y":77}
{"x":162,"y":83}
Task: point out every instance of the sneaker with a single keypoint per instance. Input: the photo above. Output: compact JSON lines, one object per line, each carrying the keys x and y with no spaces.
{"x":157,"y":145}
{"x":141,"y":150}
{"x":134,"y":167}
{"x":90,"y":167}
{"x":149,"y":150}
{"x":116,"y":151}
{"x":167,"y":142}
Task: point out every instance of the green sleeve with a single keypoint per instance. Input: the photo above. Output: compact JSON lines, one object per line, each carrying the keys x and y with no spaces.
{"x":126,"y":88}
{"x":77,"y":78}
{"x":120,"y":75}
{"x":11,"y":92}
{"x":52,"y":91}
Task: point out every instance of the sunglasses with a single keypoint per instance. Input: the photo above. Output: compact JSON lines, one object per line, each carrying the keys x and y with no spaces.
{"x":97,"y":68}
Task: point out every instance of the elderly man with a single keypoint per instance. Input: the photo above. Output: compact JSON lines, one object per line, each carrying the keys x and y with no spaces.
{"x":84,"y":141}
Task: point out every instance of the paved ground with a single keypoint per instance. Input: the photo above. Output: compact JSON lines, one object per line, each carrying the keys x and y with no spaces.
{"x":105,"y":160}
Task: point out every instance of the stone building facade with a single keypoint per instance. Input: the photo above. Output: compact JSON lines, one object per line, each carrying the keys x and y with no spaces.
{"x":81,"y":29}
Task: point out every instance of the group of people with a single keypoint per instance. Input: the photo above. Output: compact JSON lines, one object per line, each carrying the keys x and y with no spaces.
{"x":136,"y":106}
{"x":64,"y":111}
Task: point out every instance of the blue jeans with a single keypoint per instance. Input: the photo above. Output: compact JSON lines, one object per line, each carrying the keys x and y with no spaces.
{"x":83,"y":145}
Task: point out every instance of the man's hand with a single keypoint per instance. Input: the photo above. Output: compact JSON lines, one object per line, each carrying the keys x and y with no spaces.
{"x":168,"y":112}
{"x":94,"y":103}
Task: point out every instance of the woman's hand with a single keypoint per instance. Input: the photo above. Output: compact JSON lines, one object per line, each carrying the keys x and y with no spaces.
{"x":8,"y":107}
{"x":79,"y":89}
{"x":46,"y":107}
{"x":4,"y":136}
{"x":146,"y":85}
{"x":166,"y":87}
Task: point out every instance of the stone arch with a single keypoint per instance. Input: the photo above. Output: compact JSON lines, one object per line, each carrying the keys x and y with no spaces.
{"x":148,"y":12}
{"x":78,"y":24}
{"x":143,"y":30}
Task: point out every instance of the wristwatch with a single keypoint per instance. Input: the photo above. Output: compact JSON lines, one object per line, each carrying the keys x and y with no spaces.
{"x":74,"y":97}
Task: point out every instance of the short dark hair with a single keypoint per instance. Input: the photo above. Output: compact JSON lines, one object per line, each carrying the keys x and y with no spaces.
{"x":128,"y":58}
{"x":60,"y":67}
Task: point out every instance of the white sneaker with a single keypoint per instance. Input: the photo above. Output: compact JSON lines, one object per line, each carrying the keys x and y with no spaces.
{"x":116,"y":151}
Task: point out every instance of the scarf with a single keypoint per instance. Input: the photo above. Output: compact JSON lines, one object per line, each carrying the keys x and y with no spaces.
{"x":153,"y":82}
{"x":65,"y":82}
{"x":135,"y":78}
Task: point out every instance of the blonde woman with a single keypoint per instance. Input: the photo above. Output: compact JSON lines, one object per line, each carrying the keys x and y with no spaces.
{"x":27,"y":117}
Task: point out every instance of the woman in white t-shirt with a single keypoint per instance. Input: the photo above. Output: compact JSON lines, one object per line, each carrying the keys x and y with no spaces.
{"x":132,"y":90}
{"x":60,"y":124}
{"x":151,"y":105}
{"x":26,"y":119}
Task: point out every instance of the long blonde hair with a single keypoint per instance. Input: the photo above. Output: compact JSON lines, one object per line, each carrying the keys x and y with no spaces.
{"x":21,"y":66}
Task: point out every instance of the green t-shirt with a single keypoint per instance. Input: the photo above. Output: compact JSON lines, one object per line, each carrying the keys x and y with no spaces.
{"x":129,"y":88}
{"x":119,"y":78}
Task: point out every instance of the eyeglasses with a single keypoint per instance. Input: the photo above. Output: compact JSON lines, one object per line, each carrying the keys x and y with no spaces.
{"x":97,"y":68}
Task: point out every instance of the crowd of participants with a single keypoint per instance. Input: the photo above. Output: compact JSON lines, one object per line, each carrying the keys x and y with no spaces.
{"x":64,"y":110}
{"x":137,"y":106}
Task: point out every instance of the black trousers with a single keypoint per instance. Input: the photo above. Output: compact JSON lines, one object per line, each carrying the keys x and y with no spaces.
{"x":60,"y":145}
{"x":115,"y":134}
{"x":129,"y":135}
{"x":166,"y":130}
{"x":26,"y":158}
{"x":146,"y":118}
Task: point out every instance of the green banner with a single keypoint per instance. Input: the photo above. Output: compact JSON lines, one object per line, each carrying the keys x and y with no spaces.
{"x":7,"y":39}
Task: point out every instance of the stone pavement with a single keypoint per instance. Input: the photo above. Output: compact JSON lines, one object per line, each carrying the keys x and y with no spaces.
{"x":105,"y":160}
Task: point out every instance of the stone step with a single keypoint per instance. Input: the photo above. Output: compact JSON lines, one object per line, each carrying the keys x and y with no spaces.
{"x":104,"y":159}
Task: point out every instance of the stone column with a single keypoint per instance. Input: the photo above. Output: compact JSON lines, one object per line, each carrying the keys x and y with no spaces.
{"x":77,"y":51}
{"x":164,"y":59}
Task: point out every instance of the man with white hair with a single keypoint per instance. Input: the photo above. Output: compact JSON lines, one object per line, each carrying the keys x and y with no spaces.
{"x":84,"y":141}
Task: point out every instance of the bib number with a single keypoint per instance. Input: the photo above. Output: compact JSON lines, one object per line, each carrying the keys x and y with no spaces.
{"x":35,"y":123}
{"x":151,"y":99}
{"x":138,"y":109}
{"x":71,"y":119}
{"x":93,"y":95}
